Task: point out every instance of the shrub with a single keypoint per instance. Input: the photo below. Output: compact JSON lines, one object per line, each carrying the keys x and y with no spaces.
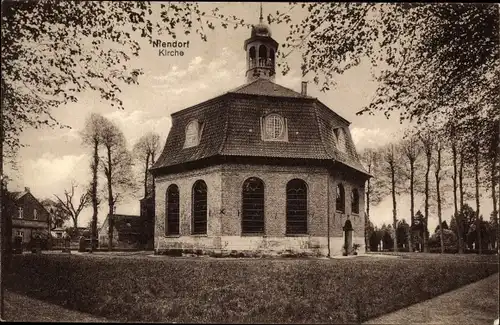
{"x":204,"y":290}
{"x":449,"y":238}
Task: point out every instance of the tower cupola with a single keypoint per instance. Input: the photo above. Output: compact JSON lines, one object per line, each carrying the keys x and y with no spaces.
{"x":261,"y":52}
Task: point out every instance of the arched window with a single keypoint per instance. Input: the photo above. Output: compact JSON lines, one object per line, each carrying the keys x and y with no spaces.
{"x":172,"y":217}
{"x":340,"y":200}
{"x":252,"y":219}
{"x":355,"y":201}
{"x":262,"y":55}
{"x":199,"y":207}
{"x":252,"y":53}
{"x":296,"y":207}
{"x":271,"y":56}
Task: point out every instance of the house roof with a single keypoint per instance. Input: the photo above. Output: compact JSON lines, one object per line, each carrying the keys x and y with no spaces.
{"x":19,"y":194}
{"x":127,"y":224}
{"x":231,"y":126}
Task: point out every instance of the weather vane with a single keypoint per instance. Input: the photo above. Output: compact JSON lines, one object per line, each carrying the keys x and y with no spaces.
{"x":261,"y":18}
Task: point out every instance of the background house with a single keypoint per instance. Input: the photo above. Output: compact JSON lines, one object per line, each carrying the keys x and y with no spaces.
{"x":29,"y":217}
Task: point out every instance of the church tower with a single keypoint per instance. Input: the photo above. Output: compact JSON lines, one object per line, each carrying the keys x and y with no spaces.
{"x":261,"y":51}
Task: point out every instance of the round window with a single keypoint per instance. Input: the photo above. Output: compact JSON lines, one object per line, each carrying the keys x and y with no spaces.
{"x":274,"y":126}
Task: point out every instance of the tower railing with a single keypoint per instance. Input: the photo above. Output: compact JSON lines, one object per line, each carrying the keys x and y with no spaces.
{"x":261,"y":62}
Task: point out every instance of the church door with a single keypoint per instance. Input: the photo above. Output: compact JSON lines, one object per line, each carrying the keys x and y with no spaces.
{"x":347,"y":237}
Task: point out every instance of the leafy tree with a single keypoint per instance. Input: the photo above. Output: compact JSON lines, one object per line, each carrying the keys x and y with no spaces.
{"x":145,"y":150}
{"x":374,"y":239}
{"x":446,"y":236}
{"x":467,"y":216}
{"x":411,"y":149}
{"x":375,"y":189}
{"x":54,"y":50}
{"x":91,"y":138}
{"x":448,"y":49}
{"x":443,"y":225}
{"x":428,"y":145}
{"x":482,"y":239}
{"x":402,"y":232}
{"x":439,"y":148}
{"x":391,"y":170}
{"x":388,"y":241}
{"x":117,"y":167}
{"x":419,"y":230}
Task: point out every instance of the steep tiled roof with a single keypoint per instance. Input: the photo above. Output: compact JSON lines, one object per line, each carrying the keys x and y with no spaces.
{"x":232,"y":127}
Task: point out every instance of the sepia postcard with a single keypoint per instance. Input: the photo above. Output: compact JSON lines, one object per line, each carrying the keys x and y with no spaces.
{"x":250,"y":162}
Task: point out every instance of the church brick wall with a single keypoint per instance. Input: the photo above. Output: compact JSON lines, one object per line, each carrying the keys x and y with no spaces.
{"x":224,"y":184}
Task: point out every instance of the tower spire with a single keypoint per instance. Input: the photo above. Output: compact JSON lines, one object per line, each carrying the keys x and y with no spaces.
{"x":261,"y":18}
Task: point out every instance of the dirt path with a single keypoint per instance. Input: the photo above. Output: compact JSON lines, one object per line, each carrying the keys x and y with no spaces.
{"x":473,"y":304}
{"x":20,"y":308}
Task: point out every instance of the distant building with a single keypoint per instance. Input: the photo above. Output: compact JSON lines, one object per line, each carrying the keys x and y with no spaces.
{"x":127,"y":232}
{"x":261,"y":168}
{"x":29,"y":216}
{"x":58,"y":232}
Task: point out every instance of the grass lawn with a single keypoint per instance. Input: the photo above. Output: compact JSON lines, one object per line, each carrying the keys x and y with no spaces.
{"x":168,"y":289}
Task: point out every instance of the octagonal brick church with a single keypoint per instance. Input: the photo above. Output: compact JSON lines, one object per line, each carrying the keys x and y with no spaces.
{"x":261,"y":169}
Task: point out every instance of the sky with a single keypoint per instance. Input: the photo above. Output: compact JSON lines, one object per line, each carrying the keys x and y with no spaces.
{"x":53,"y":158}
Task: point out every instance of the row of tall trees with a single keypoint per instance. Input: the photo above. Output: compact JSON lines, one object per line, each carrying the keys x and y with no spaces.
{"x":111,"y":156}
{"x":429,"y":162}
{"x":437,"y":65}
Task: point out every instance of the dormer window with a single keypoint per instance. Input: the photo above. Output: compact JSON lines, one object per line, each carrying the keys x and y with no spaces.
{"x":340,"y":139}
{"x":193,"y":134}
{"x":274,"y":128}
{"x":20,"y":211}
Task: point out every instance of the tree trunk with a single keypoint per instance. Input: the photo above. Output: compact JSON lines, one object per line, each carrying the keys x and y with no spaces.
{"x":438,"y":193}
{"x":110,"y":200}
{"x":426,"y":212}
{"x":95,"y":203}
{"x":458,"y":218}
{"x":146,"y":176}
{"x":367,"y":217}
{"x":493,"y":172}
{"x":412,"y":203}
{"x":455,"y":198}
{"x":3,"y":218}
{"x":154,"y":183}
{"x":394,"y":215}
{"x":478,"y":221}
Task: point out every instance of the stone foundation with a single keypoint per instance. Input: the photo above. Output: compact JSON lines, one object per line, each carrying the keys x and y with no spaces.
{"x":253,"y":246}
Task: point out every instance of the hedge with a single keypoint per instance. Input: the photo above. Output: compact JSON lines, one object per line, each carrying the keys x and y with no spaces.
{"x":167,"y":289}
